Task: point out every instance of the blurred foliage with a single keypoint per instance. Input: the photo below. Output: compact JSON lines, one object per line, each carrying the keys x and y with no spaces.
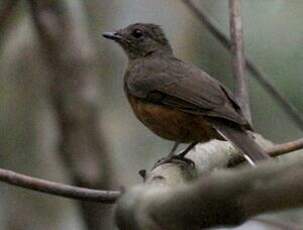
{"x":273,"y":39}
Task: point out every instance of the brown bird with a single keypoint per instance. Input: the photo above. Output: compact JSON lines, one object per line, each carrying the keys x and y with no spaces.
{"x":177,"y":100}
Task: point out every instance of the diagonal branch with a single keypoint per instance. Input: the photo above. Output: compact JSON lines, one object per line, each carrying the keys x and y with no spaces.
{"x":238,"y":58}
{"x":58,"y":189}
{"x":256,"y":72}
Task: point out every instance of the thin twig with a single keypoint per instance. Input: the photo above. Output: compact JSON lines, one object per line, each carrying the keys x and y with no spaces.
{"x":238,"y":58}
{"x":6,"y":11}
{"x":251,"y":67}
{"x":281,"y":149}
{"x":274,"y":151}
{"x":58,"y":189}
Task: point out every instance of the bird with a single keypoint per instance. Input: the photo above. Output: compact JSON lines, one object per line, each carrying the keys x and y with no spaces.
{"x":177,"y":100}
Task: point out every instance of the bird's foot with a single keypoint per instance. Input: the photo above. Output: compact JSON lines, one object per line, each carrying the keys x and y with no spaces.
{"x":174,"y":158}
{"x":180,"y":157}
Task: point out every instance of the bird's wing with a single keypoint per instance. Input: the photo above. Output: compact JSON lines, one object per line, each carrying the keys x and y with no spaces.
{"x":183,"y":86}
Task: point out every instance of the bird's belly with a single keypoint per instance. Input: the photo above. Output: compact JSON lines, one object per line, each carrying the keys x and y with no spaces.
{"x":172,"y":124}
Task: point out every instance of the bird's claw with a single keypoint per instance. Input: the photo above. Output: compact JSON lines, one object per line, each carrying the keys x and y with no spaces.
{"x":174,"y":158}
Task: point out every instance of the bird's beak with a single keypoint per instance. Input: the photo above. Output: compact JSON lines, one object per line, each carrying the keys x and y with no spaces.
{"x":112,"y":35}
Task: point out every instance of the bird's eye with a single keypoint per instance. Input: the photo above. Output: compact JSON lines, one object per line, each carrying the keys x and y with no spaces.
{"x":137,"y":33}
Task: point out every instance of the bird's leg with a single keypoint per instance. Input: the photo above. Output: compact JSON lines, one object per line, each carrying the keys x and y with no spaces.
{"x":185,"y":151}
{"x":173,"y":150}
{"x":180,"y":156}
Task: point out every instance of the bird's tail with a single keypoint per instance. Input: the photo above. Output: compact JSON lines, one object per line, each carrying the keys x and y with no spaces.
{"x":242,"y":141}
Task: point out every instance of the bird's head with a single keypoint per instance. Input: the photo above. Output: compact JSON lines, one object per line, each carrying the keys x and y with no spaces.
{"x":140,"y":40}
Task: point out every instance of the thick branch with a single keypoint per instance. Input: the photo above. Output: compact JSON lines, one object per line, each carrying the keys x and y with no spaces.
{"x":229,"y":198}
{"x":58,"y":189}
{"x":219,"y":197}
{"x":238,"y":58}
{"x":223,"y":198}
{"x":257,"y":73}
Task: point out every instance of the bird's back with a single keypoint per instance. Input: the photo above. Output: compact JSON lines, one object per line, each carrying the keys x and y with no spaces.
{"x":169,"y":81}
